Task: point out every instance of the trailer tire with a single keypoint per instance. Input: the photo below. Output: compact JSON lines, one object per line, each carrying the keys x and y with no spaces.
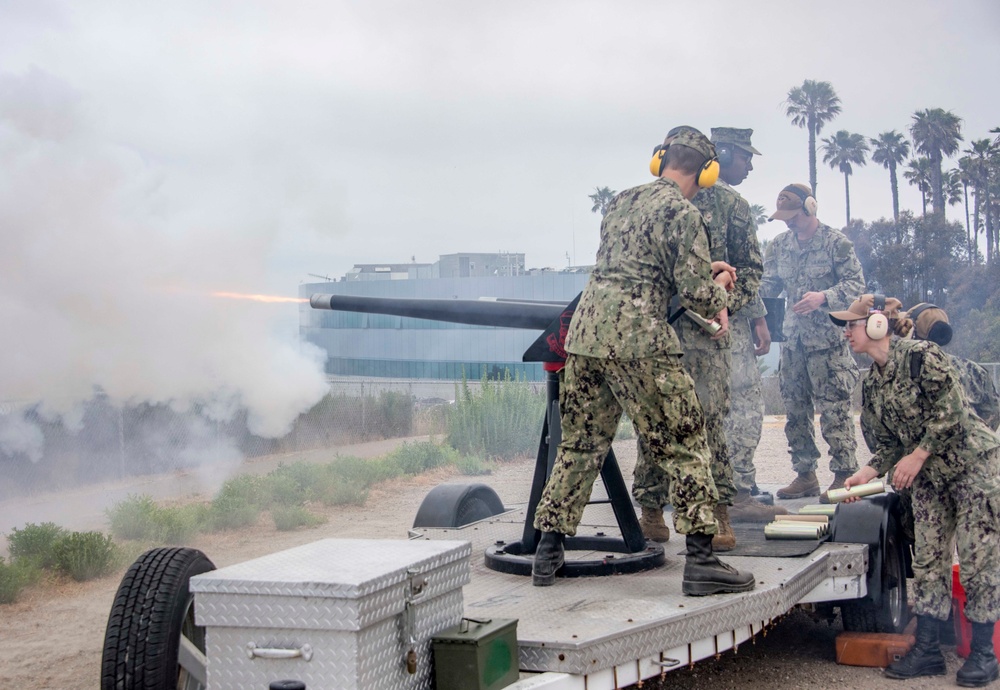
{"x":153,"y":609}
{"x":891,"y":614}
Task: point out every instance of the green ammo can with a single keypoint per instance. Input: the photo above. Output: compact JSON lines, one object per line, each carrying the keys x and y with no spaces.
{"x":476,"y":655}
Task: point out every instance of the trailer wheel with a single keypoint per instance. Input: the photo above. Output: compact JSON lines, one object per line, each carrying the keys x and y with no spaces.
{"x":151,"y":641}
{"x":891,"y":614}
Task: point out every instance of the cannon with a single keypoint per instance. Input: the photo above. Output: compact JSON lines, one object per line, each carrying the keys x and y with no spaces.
{"x":632,"y":552}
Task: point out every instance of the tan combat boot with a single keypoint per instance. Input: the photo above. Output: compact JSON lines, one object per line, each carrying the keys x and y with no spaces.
{"x":746,"y":508}
{"x":805,"y":484}
{"x":724,"y":539}
{"x":838,"y":483}
{"x":653,"y":526}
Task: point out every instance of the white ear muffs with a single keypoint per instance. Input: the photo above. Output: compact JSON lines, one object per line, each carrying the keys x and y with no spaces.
{"x":809,"y":205}
{"x":877,"y":326}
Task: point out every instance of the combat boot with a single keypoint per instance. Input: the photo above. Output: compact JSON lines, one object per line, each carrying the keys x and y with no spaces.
{"x":838,"y":483}
{"x":724,"y":539}
{"x":981,"y":666}
{"x":706,"y":574}
{"x":925,"y":658}
{"x":805,"y":484}
{"x":746,"y":508}
{"x":653,"y":526}
{"x":549,"y":557}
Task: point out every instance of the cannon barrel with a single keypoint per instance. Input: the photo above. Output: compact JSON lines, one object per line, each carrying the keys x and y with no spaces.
{"x":504,"y":314}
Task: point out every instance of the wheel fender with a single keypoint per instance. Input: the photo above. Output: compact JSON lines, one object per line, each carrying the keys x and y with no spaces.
{"x":456,"y":505}
{"x":868,"y":522}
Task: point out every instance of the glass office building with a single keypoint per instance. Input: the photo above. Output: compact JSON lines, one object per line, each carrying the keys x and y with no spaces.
{"x":376,"y":345}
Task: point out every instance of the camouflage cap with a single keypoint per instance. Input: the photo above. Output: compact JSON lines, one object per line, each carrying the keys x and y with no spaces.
{"x":735,"y":136}
{"x":691,"y":138}
{"x":930,"y":322}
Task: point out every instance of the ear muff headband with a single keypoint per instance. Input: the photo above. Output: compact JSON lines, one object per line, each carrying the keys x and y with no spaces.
{"x":809,"y":204}
{"x":877,"y":324}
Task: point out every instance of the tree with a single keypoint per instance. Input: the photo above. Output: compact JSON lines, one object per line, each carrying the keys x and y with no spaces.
{"x":601,"y":197}
{"x":964,"y":174}
{"x":812,"y":105}
{"x":889,"y":150}
{"x":918,"y":173}
{"x":984,"y":161}
{"x":936,"y":133}
{"x":759,"y":214}
{"x":842,"y":151}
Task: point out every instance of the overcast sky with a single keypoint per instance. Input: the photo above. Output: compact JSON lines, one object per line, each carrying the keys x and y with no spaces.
{"x":243,"y":145}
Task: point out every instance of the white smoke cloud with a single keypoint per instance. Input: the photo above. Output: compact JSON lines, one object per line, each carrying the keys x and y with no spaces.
{"x":110,"y":255}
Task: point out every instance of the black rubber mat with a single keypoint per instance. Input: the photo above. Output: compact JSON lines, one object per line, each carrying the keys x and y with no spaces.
{"x":750,"y":541}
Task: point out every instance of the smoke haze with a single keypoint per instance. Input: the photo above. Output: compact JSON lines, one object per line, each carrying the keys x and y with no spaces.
{"x":108,"y":262}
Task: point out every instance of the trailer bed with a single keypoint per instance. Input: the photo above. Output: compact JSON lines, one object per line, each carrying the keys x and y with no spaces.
{"x":595,"y":632}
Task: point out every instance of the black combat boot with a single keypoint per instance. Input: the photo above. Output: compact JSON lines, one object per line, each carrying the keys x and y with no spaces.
{"x":549,"y":557}
{"x":981,"y":666}
{"x":706,"y":574}
{"x":925,"y":658}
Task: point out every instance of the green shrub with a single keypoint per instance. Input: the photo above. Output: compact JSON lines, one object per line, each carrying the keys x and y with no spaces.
{"x":502,"y":420}
{"x":346,"y":493}
{"x":139,"y":518}
{"x":134,"y":518}
{"x":229,"y":511}
{"x":414,"y":458}
{"x":16,"y":576}
{"x":84,"y":555}
{"x":396,"y":412}
{"x":293,"y":517}
{"x":247,"y":489}
{"x":472,"y":466}
{"x":34,"y":543}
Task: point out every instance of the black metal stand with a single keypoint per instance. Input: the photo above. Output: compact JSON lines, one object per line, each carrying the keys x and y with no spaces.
{"x":628,"y":554}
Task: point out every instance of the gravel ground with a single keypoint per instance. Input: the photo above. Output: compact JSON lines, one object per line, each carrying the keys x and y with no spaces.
{"x":52,"y":638}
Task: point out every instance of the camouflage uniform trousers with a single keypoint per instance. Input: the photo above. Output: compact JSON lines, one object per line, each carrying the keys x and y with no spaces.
{"x":710,"y":369}
{"x":826,"y":379}
{"x":746,"y":412}
{"x":659,"y":398}
{"x":962,"y":512}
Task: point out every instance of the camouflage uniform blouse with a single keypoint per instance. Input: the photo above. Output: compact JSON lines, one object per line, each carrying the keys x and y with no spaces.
{"x":654,"y":245}
{"x":825,"y":263}
{"x":732,"y":237}
{"x":901,"y":412}
{"x":979,"y":389}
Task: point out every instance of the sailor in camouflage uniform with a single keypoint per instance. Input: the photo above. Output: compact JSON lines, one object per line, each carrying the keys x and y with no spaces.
{"x":918,"y":424}
{"x":623,"y":356}
{"x":708,"y":359}
{"x":818,"y":271}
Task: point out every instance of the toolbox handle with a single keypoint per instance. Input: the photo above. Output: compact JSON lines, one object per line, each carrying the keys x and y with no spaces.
{"x":464,"y":627}
{"x":253,"y":651}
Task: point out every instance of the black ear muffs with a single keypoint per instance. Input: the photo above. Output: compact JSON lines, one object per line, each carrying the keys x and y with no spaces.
{"x":940,"y":333}
{"x":725,"y":154}
{"x":877,"y":324}
{"x":809,"y":204}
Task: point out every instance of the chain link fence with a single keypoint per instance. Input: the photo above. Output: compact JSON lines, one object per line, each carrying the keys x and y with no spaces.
{"x":101,"y":441}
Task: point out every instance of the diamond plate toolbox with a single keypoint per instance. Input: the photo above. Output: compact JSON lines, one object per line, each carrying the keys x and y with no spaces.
{"x":337,"y":614}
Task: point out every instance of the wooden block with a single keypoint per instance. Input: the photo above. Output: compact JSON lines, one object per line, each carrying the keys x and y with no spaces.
{"x":876,"y":650}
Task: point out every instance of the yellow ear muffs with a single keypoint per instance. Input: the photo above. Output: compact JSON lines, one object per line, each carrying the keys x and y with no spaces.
{"x":709,"y":173}
{"x":657,"y":162}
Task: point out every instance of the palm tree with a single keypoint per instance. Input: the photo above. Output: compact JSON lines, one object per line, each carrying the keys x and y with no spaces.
{"x":601,"y":197}
{"x":891,"y":149}
{"x":812,"y":105}
{"x":758,"y":213}
{"x":918,"y":173}
{"x":982,"y":156}
{"x":841,"y":151}
{"x":936,"y":133}
{"x":964,"y":172}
